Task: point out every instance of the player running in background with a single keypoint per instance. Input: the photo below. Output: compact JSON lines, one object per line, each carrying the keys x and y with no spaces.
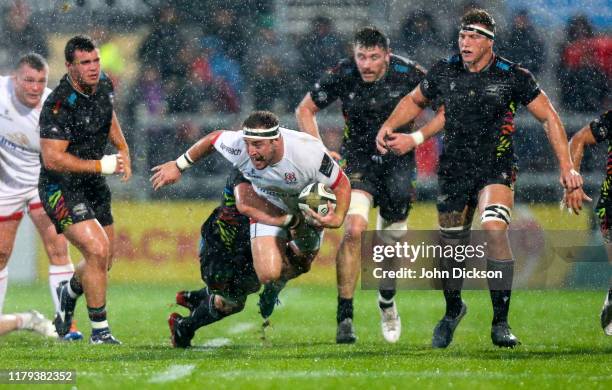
{"x":21,"y":99}
{"x":226,"y":262}
{"x":480,"y":92}
{"x":599,"y":130}
{"x":279,"y":163}
{"x":370,"y":84}
{"x":76,"y":124}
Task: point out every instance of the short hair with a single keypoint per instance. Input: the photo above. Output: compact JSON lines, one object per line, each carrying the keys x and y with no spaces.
{"x":370,"y":37}
{"x":79,"y":42}
{"x":33,"y":60}
{"x":479,"y":16}
{"x":261,"y":120}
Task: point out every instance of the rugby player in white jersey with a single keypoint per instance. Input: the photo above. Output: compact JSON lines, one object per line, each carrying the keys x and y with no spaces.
{"x":21,"y":98}
{"x":279,"y":163}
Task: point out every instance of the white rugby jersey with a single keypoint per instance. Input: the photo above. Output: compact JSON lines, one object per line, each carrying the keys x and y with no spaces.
{"x":305,"y":161}
{"x":19,"y":141}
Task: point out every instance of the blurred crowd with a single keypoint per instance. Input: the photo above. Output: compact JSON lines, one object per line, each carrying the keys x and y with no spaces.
{"x":236,"y":60}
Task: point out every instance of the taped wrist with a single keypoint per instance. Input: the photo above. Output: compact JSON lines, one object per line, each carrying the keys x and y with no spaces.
{"x":184,"y":162}
{"x":418,"y":137}
{"x":107,"y":165}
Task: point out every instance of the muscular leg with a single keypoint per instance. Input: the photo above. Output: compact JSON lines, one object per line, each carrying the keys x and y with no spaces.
{"x":91,"y":239}
{"x":454,"y":230}
{"x":495,"y":203}
{"x":56,"y":246}
{"x":268,"y":257}
{"x":499,"y":256}
{"x":8,"y":231}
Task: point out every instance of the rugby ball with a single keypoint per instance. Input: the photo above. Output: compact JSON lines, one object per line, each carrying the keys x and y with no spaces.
{"x":315,"y":197}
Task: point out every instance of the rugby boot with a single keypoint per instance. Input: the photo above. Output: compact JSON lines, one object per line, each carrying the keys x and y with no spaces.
{"x":502,"y":337}
{"x":178,"y":336}
{"x":103,"y":337}
{"x":345,"y":333}
{"x":445,"y":329}
{"x":36,"y":322}
{"x":74,"y":334}
{"x":390,"y":323}
{"x":267,"y":300}
{"x":63,"y":319}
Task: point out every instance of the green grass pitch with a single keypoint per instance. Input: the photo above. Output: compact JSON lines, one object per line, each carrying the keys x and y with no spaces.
{"x":563,"y":345}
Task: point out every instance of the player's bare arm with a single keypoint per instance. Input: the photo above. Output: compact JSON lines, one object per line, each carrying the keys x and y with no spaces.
{"x":406,"y":110}
{"x":115,"y":136}
{"x":574,"y":199}
{"x":170,"y":172}
{"x":543,"y":111}
{"x":306,"y":116}
{"x":254,"y":206}
{"x":335,"y":217}
{"x":400,"y":143}
{"x":56,"y":158}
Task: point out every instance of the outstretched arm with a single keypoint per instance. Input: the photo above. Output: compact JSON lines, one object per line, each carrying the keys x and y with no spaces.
{"x":170,"y":172}
{"x":543,"y":111}
{"x":406,"y":110}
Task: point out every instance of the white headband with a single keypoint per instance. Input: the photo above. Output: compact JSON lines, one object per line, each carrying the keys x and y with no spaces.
{"x":270,"y":133}
{"x":480,"y":30}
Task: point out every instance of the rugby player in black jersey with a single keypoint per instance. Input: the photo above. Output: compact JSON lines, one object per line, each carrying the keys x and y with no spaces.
{"x":76,"y":123}
{"x":480,"y":93}
{"x":599,"y":130}
{"x":369,"y":85}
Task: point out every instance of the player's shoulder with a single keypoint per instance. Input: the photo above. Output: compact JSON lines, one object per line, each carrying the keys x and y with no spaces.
{"x":105,"y":84}
{"x":452,"y":63}
{"x":606,"y":119}
{"x":302,"y":143}
{"x":5,"y":81}
{"x":505,"y":65}
{"x":345,"y":69}
{"x":63,"y":95}
{"x":404,"y":66}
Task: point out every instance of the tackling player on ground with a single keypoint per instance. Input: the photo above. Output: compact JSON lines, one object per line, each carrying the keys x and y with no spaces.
{"x":370,"y":84}
{"x":599,"y":130}
{"x":226,"y":262}
{"x":480,"y":93}
{"x":21,"y":99}
{"x":76,"y":124}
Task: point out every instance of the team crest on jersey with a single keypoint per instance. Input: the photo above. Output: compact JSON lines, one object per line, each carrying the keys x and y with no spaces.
{"x":290,"y":178}
{"x":5,"y":115}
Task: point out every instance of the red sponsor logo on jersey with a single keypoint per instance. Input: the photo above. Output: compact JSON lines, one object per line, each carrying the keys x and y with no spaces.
{"x":290,"y":178}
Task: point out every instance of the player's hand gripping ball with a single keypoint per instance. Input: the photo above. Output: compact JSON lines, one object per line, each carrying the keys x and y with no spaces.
{"x":315,"y":197}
